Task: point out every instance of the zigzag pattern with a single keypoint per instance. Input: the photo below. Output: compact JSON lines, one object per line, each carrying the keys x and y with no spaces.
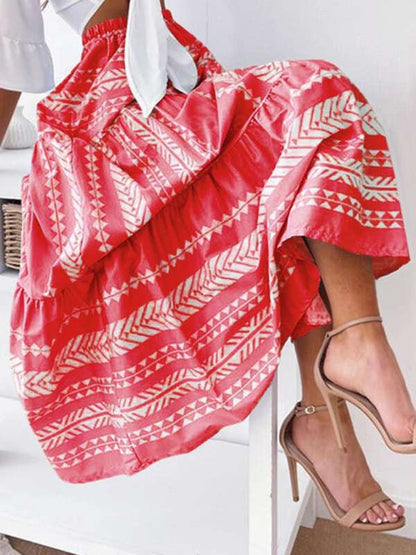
{"x":232,"y":354}
{"x":124,"y":335}
{"x":129,"y":377}
{"x":271,"y":72}
{"x":172,"y":266}
{"x":176,"y":157}
{"x":348,"y":205}
{"x":104,"y":112}
{"x":252,"y":379}
{"x":191,"y":245}
{"x":381,"y":158}
{"x":91,"y":449}
{"x":63,"y":100}
{"x":351,"y":173}
{"x":199,"y":146}
{"x":96,"y":196}
{"x":231,"y":82}
{"x":133,"y":204}
{"x":153,"y":174}
{"x":369,"y":119}
{"x":195,"y":242}
{"x":306,"y":132}
{"x":316,"y":79}
{"x":166,"y":313}
{"x":111,"y":80}
{"x":71,"y":256}
{"x":55,"y":198}
{"x":155,"y":399}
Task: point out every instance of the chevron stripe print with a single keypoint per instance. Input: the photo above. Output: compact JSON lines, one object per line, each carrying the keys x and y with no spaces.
{"x":163,"y":262}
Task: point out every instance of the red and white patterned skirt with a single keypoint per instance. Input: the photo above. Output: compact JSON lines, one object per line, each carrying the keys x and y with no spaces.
{"x":163,"y":259}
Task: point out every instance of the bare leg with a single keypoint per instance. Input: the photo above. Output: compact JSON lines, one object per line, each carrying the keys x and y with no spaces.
{"x":346,"y":474}
{"x":360,"y":358}
{"x":8,"y":102}
{"x":349,"y":282}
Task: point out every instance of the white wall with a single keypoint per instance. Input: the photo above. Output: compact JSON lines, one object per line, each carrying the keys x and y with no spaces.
{"x":374,"y":42}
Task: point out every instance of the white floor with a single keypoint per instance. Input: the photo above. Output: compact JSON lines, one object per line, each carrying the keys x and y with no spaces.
{"x":193,"y":504}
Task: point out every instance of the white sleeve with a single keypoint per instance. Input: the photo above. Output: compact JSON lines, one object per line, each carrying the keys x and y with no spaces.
{"x":25,"y":60}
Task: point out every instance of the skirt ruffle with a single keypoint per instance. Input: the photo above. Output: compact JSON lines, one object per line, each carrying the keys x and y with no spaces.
{"x":163,"y":259}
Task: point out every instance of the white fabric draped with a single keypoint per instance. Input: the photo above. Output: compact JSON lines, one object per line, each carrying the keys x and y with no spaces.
{"x":25,"y":59}
{"x":152,"y":55}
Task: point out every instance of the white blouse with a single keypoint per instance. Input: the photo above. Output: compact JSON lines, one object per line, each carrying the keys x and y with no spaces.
{"x":152,"y":53}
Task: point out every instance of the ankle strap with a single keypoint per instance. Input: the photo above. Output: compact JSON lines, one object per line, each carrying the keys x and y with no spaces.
{"x":353,"y":323}
{"x":304,"y":410}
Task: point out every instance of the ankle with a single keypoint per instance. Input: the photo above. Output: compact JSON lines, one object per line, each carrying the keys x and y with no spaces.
{"x":367,"y":331}
{"x":312,"y":422}
{"x":312,"y":398}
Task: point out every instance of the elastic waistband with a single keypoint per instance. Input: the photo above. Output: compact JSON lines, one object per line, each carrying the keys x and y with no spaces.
{"x":114,"y":24}
{"x":104,"y":27}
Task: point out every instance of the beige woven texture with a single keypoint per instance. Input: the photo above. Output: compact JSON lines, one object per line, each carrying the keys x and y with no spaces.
{"x":12,"y":234}
{"x":329,"y":538}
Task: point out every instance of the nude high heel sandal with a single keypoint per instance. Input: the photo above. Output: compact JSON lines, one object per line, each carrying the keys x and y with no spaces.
{"x":331,"y":392}
{"x":295,"y":456}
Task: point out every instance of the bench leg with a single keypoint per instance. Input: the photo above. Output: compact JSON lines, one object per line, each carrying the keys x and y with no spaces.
{"x":263,"y":475}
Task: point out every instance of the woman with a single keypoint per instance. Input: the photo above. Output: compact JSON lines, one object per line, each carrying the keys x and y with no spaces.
{"x":176,"y":235}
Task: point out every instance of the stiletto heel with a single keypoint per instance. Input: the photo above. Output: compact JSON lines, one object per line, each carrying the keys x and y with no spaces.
{"x":293,"y":472}
{"x":329,"y":398}
{"x":331,"y":392}
{"x":295,"y":456}
{"x":331,"y":402}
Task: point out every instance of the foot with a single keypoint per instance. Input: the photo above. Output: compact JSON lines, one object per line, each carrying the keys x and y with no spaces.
{"x":346,"y":474}
{"x":361,"y":359}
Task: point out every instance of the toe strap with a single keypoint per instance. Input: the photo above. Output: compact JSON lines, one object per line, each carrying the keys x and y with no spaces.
{"x":355,"y":512}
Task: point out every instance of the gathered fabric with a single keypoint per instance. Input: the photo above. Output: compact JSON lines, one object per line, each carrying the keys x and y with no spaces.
{"x":164,"y":264}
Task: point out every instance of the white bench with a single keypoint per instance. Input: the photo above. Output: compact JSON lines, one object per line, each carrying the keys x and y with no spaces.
{"x":220,"y":499}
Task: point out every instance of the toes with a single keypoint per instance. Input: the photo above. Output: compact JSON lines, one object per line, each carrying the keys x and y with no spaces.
{"x":363,"y":518}
{"x":398,"y":509}
{"x":390,"y":512}
{"x":385,"y":511}
{"x":373,"y":517}
{"x":378,"y":509}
